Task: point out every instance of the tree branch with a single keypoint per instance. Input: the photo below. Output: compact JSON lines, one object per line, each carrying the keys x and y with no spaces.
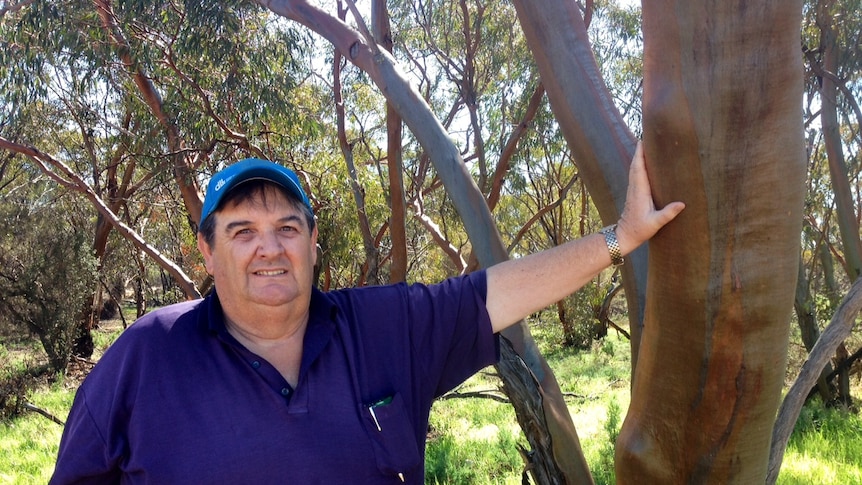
{"x":838,"y":329}
{"x":73,"y":181}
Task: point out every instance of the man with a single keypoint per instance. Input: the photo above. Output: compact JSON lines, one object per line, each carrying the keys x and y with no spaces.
{"x":269,"y":380}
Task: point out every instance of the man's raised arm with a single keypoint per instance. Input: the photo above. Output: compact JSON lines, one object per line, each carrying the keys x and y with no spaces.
{"x":520,"y":287}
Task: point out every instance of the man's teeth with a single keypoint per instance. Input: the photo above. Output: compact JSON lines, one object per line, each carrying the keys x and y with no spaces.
{"x":270,"y":273}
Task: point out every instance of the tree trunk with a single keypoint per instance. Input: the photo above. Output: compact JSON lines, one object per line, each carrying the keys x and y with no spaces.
{"x":848,"y":224}
{"x":723,"y":133}
{"x":807,"y":320}
{"x":595,"y":131}
{"x":394,"y":162}
{"x":371,"y":274}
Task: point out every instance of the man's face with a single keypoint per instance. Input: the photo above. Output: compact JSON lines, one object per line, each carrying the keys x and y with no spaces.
{"x":263,"y":254}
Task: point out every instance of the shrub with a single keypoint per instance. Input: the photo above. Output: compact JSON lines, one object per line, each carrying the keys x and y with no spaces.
{"x":46,"y":276}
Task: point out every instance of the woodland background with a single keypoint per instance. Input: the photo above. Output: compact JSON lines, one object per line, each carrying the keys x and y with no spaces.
{"x":115,"y":114}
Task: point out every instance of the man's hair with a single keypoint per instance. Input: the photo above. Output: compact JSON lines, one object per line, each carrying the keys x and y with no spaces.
{"x":253,"y":190}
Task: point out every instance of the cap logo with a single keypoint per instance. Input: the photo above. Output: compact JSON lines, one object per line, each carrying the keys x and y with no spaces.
{"x":221,"y":183}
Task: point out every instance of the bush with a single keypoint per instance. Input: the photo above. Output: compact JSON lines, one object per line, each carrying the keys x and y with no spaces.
{"x":46,"y":277}
{"x":583,"y":315}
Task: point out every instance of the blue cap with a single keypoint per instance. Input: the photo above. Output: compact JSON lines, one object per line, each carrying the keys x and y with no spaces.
{"x":250,"y":169}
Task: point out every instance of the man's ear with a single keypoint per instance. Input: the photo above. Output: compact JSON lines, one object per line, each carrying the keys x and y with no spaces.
{"x":206,"y":252}
{"x":314,"y":246}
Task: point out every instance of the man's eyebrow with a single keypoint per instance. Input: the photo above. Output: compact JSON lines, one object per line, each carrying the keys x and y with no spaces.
{"x":291,"y":218}
{"x":231,"y":226}
{"x":236,"y":224}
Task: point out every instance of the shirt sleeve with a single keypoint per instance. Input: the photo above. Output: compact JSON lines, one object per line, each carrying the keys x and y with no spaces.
{"x":428,"y":338}
{"x":83,"y":457}
{"x":457,"y":324}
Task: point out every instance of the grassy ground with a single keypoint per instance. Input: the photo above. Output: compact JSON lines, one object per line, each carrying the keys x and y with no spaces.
{"x":476,"y":440}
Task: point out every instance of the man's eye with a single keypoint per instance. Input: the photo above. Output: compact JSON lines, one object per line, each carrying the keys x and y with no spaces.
{"x":288,"y":229}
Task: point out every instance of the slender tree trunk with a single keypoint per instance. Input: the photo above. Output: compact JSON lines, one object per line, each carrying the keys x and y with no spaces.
{"x":397,"y":201}
{"x":723,"y":133}
{"x":372,"y":255}
{"x":848,"y":224}
{"x":595,"y":131}
{"x":807,"y":320}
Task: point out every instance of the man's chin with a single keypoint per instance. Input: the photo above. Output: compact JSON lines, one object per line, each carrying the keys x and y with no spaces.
{"x":276,"y":298}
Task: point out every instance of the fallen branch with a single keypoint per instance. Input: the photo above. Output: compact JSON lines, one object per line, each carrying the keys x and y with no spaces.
{"x":31,"y":407}
{"x":487,"y":394}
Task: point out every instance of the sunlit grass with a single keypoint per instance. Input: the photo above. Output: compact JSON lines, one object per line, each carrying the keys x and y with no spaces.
{"x":825,"y":448}
{"x":466,"y":431}
{"x":28,"y":444}
{"x":473,"y":440}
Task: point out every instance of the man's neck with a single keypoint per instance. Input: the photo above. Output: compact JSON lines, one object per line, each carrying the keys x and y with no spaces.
{"x":276,"y":341}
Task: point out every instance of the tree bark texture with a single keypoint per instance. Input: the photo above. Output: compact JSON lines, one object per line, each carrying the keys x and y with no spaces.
{"x":723,"y":133}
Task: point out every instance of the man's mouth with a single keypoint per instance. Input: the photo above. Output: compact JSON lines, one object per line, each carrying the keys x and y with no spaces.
{"x":272,"y":272}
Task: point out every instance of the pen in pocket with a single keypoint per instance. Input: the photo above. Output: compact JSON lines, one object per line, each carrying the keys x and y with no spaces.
{"x":376,"y":404}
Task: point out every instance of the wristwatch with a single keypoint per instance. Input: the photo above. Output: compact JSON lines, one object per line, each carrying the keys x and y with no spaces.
{"x":610,"y":233}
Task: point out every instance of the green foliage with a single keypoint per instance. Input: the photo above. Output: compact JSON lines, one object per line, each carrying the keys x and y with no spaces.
{"x":603,"y":464}
{"x":46,"y":274}
{"x":581,"y":316}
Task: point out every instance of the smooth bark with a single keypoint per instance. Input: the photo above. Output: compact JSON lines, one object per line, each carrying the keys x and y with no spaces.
{"x":723,"y":133}
{"x":594,"y":129}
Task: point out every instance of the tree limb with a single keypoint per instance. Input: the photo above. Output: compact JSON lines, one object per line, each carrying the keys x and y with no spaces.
{"x":838,"y":329}
{"x":73,"y":181}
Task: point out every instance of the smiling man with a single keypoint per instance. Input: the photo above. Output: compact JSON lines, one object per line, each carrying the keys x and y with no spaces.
{"x":269,"y":380}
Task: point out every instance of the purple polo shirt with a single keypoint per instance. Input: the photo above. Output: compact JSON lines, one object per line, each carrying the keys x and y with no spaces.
{"x":176,"y":399}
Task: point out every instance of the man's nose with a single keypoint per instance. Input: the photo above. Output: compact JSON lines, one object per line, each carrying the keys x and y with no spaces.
{"x":269,"y":244}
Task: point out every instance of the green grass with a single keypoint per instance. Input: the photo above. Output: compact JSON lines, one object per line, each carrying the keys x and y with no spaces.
{"x":476,"y":440}
{"x":473,"y":441}
{"x":825,"y":448}
{"x":28,"y":444}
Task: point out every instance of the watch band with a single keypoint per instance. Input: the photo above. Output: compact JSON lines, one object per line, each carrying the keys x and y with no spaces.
{"x":610,"y":234}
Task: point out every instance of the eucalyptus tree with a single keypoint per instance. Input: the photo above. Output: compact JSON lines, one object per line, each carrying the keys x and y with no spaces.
{"x":46,"y":268}
{"x":178,"y":89}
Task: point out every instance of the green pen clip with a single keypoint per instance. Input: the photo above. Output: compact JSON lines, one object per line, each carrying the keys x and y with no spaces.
{"x":376,"y":404}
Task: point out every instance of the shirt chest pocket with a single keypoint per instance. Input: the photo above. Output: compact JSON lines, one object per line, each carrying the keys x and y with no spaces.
{"x":390,"y":430}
